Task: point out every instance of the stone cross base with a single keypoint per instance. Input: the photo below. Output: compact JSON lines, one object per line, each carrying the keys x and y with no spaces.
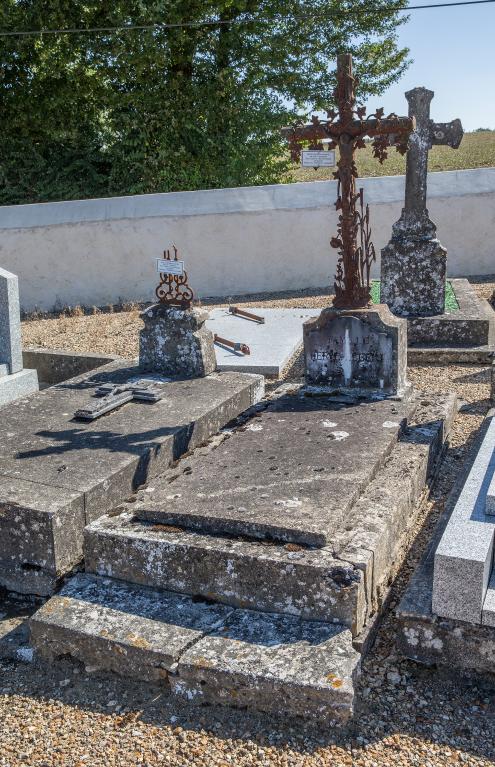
{"x":413,"y":276}
{"x":357,"y":351}
{"x":175,"y":342}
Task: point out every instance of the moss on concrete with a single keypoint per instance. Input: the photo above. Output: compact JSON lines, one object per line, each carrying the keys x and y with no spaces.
{"x":451,"y":304}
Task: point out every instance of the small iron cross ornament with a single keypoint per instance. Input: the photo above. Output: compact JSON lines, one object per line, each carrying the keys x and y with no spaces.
{"x":111,"y":396}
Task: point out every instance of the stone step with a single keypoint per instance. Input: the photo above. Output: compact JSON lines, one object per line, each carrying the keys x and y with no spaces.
{"x":202,"y":652}
{"x":296,"y":580}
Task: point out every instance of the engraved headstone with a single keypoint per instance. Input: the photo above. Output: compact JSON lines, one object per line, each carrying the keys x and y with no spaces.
{"x":361,"y":351}
{"x":15,"y":381}
{"x":414,"y":263}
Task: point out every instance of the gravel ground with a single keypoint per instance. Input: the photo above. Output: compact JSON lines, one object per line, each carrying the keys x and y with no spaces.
{"x":406,"y":714}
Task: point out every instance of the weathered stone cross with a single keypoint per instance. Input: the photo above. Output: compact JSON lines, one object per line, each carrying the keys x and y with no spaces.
{"x":414,"y":216}
{"x":414,"y":263}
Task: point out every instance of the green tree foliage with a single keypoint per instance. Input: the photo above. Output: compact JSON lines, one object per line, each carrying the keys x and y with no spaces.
{"x":111,"y":113}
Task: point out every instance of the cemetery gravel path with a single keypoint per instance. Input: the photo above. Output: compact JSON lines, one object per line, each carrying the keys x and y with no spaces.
{"x":406,"y":715}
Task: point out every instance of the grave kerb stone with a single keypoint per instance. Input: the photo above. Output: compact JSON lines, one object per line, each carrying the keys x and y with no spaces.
{"x":464,"y":556}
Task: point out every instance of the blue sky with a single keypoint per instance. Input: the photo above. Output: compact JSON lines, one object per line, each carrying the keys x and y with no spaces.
{"x":454,"y":56}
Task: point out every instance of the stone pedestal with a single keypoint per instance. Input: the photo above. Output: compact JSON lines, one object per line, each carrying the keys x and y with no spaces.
{"x":15,"y":381}
{"x":175,"y":342}
{"x":359,"y":351}
{"x":413,"y":274}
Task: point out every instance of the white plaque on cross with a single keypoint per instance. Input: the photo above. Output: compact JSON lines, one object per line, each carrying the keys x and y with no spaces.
{"x":169,"y":266}
{"x":318,"y":158}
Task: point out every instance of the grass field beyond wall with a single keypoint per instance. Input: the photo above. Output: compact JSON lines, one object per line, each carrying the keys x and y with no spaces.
{"x":477,"y":150}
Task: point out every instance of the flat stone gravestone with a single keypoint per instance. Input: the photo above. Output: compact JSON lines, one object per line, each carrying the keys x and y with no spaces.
{"x":414,"y":263}
{"x":363,"y":351}
{"x":272,"y":344}
{"x":15,"y":381}
{"x":57,"y":473}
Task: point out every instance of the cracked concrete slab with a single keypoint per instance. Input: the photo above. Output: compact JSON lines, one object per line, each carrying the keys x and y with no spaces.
{"x":291,"y":474}
{"x":310,"y":583}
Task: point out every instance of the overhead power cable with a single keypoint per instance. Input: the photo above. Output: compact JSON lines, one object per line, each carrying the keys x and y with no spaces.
{"x":231,"y":22}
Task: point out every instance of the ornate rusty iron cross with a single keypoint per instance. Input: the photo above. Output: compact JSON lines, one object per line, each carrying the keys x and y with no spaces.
{"x":347,"y":129}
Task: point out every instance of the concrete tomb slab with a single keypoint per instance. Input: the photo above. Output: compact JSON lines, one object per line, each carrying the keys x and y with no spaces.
{"x":464,"y":556}
{"x":102,"y":462}
{"x":301,"y":653}
{"x":269,"y":662}
{"x":272,"y":344}
{"x":15,"y":381}
{"x":344,"y":580}
{"x":291,"y":474}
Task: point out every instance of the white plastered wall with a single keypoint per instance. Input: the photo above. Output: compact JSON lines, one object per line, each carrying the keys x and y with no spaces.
{"x":244,"y":240}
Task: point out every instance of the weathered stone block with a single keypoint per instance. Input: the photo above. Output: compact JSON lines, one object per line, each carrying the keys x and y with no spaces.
{"x":273,"y":663}
{"x":175,"y":342}
{"x":41,"y":534}
{"x":113,"y":626}
{"x":473,"y":324}
{"x":360,"y":350}
{"x":310,"y":583}
{"x":413,"y":276}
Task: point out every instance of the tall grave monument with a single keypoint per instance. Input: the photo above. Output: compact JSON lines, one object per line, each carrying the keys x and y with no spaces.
{"x":353,"y":345}
{"x":15,"y":380}
{"x":414,"y":263}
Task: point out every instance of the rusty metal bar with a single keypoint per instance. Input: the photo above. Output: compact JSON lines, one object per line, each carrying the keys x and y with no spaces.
{"x":248,"y":315}
{"x":235,"y":345}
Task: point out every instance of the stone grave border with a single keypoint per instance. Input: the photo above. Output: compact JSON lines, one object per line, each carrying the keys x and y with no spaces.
{"x":55,"y":365}
{"x":452,"y":644}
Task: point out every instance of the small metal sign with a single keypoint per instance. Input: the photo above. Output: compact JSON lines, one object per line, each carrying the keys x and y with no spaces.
{"x":169,"y":266}
{"x":318,"y":158}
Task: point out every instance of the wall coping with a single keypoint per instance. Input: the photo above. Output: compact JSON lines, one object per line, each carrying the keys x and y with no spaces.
{"x":302,"y":195}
